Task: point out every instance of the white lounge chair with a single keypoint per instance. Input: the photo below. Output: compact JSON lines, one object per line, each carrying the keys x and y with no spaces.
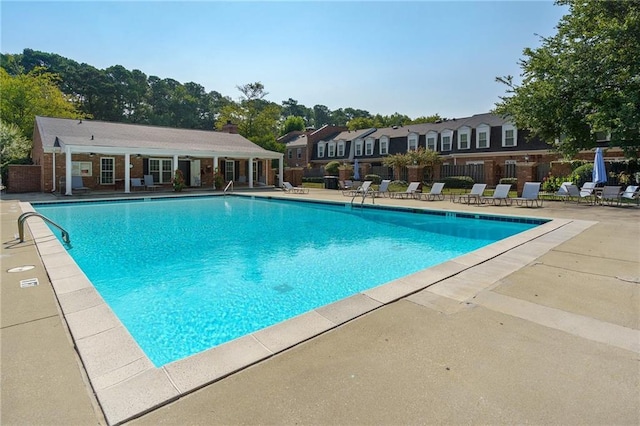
{"x":578,"y":195}
{"x":562,"y":192}
{"x":500,"y":194}
{"x":530,"y":195}
{"x":287,"y":187}
{"x":610,"y":195}
{"x":435,"y":193}
{"x":383,"y":189}
{"x":363,"y":189}
{"x":631,"y":193}
{"x":474,"y":196}
{"x":149,"y":184}
{"x":411,"y":191}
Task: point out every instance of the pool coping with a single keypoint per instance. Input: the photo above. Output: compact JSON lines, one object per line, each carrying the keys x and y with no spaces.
{"x":128,"y":385}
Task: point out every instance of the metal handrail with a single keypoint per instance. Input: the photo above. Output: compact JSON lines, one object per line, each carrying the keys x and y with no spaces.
{"x":230,"y":184}
{"x":364,"y":195}
{"x":24,"y":216}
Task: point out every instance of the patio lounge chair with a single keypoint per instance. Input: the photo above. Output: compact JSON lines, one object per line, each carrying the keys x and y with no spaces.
{"x":363,"y":189}
{"x":579,"y":195}
{"x":610,"y":195}
{"x":474,"y":196}
{"x":287,"y":187}
{"x":78,"y":185}
{"x":383,"y":189}
{"x":435,"y":193}
{"x":149,"y":184}
{"x":563,"y":193}
{"x":411,"y":191}
{"x":500,"y":194}
{"x":632,"y":192}
{"x":530,"y":193}
{"x":136,"y":183}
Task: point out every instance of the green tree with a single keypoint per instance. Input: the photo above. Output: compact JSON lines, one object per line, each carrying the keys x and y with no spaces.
{"x":292,"y":123}
{"x":582,"y":81}
{"x":26,"y":95}
{"x":15,"y":148}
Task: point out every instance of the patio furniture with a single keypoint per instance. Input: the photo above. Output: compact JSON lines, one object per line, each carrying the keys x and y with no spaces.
{"x":434,"y":193}
{"x":530,"y":195}
{"x":149,"y":184}
{"x":500,"y":194}
{"x":287,"y":187}
{"x":474,"y":196}
{"x":410,"y":192}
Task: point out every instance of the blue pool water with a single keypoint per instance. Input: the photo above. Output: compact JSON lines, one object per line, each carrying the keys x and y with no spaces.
{"x":184,"y":275}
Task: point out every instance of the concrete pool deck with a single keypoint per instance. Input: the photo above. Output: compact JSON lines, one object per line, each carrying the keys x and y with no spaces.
{"x":546,"y":332}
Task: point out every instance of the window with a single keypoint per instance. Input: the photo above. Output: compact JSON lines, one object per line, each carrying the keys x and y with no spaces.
{"x":368,"y":146}
{"x":160,"y":169}
{"x":509,"y":135}
{"x":331,"y":149}
{"x":432,"y":138}
{"x":384,"y":145}
{"x":358,"y":147}
{"x":107,"y":170}
{"x":445,"y":140}
{"x":321,"y":150}
{"x":341,"y":149}
{"x":229,"y":170}
{"x":464,"y":134}
{"x":412,"y":142}
{"x":299,"y":153}
{"x":290,"y":152}
{"x":482,"y":136}
{"x":81,"y":168}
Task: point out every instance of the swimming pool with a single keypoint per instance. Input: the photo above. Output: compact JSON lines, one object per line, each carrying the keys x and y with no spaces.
{"x":184,"y":275}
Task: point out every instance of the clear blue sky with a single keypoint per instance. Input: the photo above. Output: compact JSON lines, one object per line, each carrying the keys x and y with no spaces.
{"x":416,"y":58}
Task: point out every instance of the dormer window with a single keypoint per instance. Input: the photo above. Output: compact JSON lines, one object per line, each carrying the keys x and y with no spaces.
{"x":368,"y":146}
{"x":321,"y":149}
{"x":331,"y":149}
{"x":483,"y":133}
{"x":464,"y":136}
{"x":384,"y":145}
{"x":341,"y":149}
{"x":358,"y":147}
{"x":432,"y":140}
{"x":509,"y":135}
{"x":412,"y":142}
{"x":446,"y":138}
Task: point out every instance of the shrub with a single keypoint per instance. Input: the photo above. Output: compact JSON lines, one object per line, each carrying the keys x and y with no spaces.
{"x":582,"y":174}
{"x":331,"y":168}
{"x":552,"y":183}
{"x":458,"y":182}
{"x":509,"y":181}
{"x":375,"y":178}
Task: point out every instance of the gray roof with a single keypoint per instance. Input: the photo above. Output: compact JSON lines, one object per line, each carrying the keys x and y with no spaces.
{"x":100,"y":136}
{"x":350,"y":135}
{"x":454,"y":124}
{"x":301,"y":140}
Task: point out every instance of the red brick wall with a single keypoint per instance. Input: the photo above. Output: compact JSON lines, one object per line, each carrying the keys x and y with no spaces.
{"x":24,"y":178}
{"x":526,"y":172}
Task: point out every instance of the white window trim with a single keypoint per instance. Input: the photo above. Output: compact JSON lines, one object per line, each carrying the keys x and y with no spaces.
{"x":505,"y":129}
{"x":321,"y":147}
{"x":162,"y":169}
{"x":510,"y":162}
{"x":410,"y":137}
{"x":113,"y":171}
{"x":432,"y":135}
{"x":444,"y":134}
{"x":331,"y":149}
{"x":340,"y":151}
{"x":464,"y":131}
{"x":383,"y":149}
{"x":368,"y":146}
{"x":229,"y":170}
{"x":483,"y":128}
{"x":358,"y":150}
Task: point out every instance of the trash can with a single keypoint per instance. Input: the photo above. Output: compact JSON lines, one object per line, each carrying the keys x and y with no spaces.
{"x":331,"y":182}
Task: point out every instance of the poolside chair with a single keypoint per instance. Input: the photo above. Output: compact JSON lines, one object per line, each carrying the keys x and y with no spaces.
{"x":149,"y":184}
{"x":610,"y":195}
{"x":434,"y":194}
{"x":411,"y":191}
{"x":363,"y":189}
{"x":579,"y":195}
{"x":136,"y":183}
{"x":474,"y":196}
{"x":287,"y":187}
{"x":346,"y":187}
{"x":78,"y":185}
{"x":631,"y":192}
{"x":530,"y":193}
{"x":383,"y":189}
{"x":563,"y":193}
{"x":500,"y":194}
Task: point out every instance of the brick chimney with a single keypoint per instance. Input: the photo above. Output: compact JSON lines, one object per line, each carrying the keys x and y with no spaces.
{"x":229,"y":127}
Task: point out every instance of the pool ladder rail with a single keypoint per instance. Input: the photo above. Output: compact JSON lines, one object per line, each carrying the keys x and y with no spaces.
{"x":230,"y":184}
{"x":364,"y":195}
{"x":23,"y":218}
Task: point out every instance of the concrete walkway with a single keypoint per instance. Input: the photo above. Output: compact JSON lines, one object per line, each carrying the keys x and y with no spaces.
{"x":555,"y":342}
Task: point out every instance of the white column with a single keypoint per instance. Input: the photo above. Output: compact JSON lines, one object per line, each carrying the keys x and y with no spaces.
{"x":54,"y":170}
{"x":216,"y":169}
{"x":250,"y":172}
{"x":127,"y":173}
{"x":280,"y":171}
{"x":175,"y":165}
{"x":67,"y":170}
